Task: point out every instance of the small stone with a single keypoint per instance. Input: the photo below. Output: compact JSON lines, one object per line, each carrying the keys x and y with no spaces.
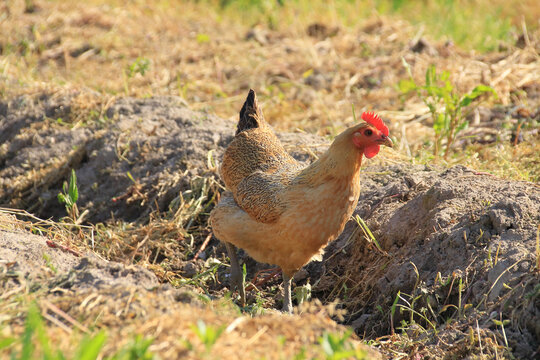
{"x":189,"y":270}
{"x":360,"y":323}
{"x":423,"y":46}
{"x":300,"y":275}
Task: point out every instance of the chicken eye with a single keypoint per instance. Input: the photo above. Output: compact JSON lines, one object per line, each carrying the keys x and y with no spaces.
{"x":368,"y":132}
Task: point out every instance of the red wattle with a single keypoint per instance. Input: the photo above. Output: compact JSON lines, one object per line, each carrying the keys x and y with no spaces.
{"x":371,"y":151}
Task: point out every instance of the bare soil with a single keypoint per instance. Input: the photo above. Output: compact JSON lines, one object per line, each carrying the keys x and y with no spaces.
{"x":458,"y":246}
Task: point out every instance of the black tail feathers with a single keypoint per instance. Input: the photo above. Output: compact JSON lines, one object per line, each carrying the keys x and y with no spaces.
{"x":251,"y":115}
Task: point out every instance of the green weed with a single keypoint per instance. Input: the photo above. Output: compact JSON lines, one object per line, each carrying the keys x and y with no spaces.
{"x":70,"y":196}
{"x":208,"y":335}
{"x":393,"y":311}
{"x":501,"y":323}
{"x":136,"y":349}
{"x":338,"y":346}
{"x":203,"y":38}
{"x":256,"y":307}
{"x":302,"y":293}
{"x":139,"y":66}
{"x":244,"y":274}
{"x":368,"y":235}
{"x":407,"y":305}
{"x":89,"y":348}
{"x":49,"y":263}
{"x":447,"y":106}
{"x":34,"y":343}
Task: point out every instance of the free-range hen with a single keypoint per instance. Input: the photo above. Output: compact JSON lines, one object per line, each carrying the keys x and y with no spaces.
{"x":278,"y":211}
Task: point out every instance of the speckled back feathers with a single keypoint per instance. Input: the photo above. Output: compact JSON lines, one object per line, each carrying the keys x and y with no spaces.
{"x":255,"y":166}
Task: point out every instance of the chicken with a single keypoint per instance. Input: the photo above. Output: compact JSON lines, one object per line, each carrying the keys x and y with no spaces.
{"x":279,"y":212}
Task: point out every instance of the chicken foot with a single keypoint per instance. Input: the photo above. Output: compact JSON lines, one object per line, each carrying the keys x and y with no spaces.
{"x":287,"y":301}
{"x":237,"y":279}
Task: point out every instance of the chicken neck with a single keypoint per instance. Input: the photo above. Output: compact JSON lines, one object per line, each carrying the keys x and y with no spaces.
{"x":341,"y":162}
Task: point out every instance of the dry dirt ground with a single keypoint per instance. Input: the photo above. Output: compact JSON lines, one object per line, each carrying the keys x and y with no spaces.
{"x":456,"y":275}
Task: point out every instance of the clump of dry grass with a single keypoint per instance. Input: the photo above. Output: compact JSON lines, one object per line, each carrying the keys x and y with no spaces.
{"x":167,"y":320}
{"x":67,"y":235}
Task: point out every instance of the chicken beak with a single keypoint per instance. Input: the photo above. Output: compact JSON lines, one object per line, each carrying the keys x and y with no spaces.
{"x":385,"y":140}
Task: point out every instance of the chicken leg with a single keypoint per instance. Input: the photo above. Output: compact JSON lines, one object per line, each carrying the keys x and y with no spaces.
{"x":287,"y":301}
{"x":237,"y":279}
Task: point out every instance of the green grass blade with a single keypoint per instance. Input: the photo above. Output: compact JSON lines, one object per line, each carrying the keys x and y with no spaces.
{"x":73,"y":190}
{"x":368,"y":234}
{"x":6,"y":342}
{"x":90,"y":347}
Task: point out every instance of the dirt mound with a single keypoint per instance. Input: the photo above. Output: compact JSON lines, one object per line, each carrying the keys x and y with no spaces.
{"x":459,"y":247}
{"x":134,"y":143}
{"x":32,"y":256}
{"x":147,"y":152}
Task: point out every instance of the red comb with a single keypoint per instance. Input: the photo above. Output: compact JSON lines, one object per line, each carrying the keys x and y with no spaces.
{"x":375,"y":120}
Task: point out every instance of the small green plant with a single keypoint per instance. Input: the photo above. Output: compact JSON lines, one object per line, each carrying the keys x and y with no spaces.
{"x":301,"y":354}
{"x":244,"y":274}
{"x":88,"y":349}
{"x":70,"y":196}
{"x":393,"y":311}
{"x":501,"y":323}
{"x":139,"y":66}
{"x":203,"y":38}
{"x":368,"y":235}
{"x":256,"y":307}
{"x":136,"y":349}
{"x":49,"y":263}
{"x":409,"y":307}
{"x":445,"y":104}
{"x":208,"y":335}
{"x":338,"y":346}
{"x":302,"y":293}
